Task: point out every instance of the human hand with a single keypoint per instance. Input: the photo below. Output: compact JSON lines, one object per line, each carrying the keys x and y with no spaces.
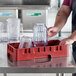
{"x":66,"y":41}
{"x":52,"y":31}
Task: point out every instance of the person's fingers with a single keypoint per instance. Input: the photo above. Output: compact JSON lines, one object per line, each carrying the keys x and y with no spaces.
{"x":50,"y":35}
{"x":66,"y":41}
{"x":62,"y":43}
{"x":49,"y":28}
{"x":49,"y":32}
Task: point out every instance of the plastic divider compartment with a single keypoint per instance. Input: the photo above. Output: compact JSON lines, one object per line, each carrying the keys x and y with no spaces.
{"x":53,"y":49}
{"x":25,"y":54}
{"x":11,"y":52}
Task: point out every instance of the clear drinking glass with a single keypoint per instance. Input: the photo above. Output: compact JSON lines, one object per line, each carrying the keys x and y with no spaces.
{"x":40,"y":35}
{"x":3,"y":32}
{"x":21,"y":30}
{"x":25,"y":42}
{"x":13,"y":26}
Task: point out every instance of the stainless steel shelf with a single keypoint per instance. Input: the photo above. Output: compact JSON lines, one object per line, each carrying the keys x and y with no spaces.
{"x":25,"y":2}
{"x":42,"y":7}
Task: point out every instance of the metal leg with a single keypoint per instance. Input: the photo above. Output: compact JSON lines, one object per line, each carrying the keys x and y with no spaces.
{"x":59,"y":35}
{"x":5,"y":74}
{"x":59,"y":74}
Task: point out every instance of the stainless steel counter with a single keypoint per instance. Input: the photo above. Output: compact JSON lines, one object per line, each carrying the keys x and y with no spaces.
{"x":55,"y":65}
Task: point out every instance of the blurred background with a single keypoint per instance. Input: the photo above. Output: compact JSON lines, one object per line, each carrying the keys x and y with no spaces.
{"x":31,"y":12}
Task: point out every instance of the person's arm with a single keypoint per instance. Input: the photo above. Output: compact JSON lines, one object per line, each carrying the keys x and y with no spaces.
{"x":70,"y":40}
{"x":62,"y":16}
{"x":60,"y":21}
{"x":73,"y":36}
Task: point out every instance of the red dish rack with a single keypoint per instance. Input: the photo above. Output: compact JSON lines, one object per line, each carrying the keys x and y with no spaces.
{"x":53,"y":49}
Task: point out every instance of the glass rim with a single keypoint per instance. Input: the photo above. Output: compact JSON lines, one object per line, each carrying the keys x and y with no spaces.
{"x":40,"y":24}
{"x":11,"y":19}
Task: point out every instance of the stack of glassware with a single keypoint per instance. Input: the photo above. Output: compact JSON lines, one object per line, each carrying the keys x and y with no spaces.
{"x":10,"y":30}
{"x":39,"y":37}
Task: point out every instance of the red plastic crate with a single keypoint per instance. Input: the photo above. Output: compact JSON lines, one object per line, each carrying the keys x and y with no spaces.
{"x":53,"y":49}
